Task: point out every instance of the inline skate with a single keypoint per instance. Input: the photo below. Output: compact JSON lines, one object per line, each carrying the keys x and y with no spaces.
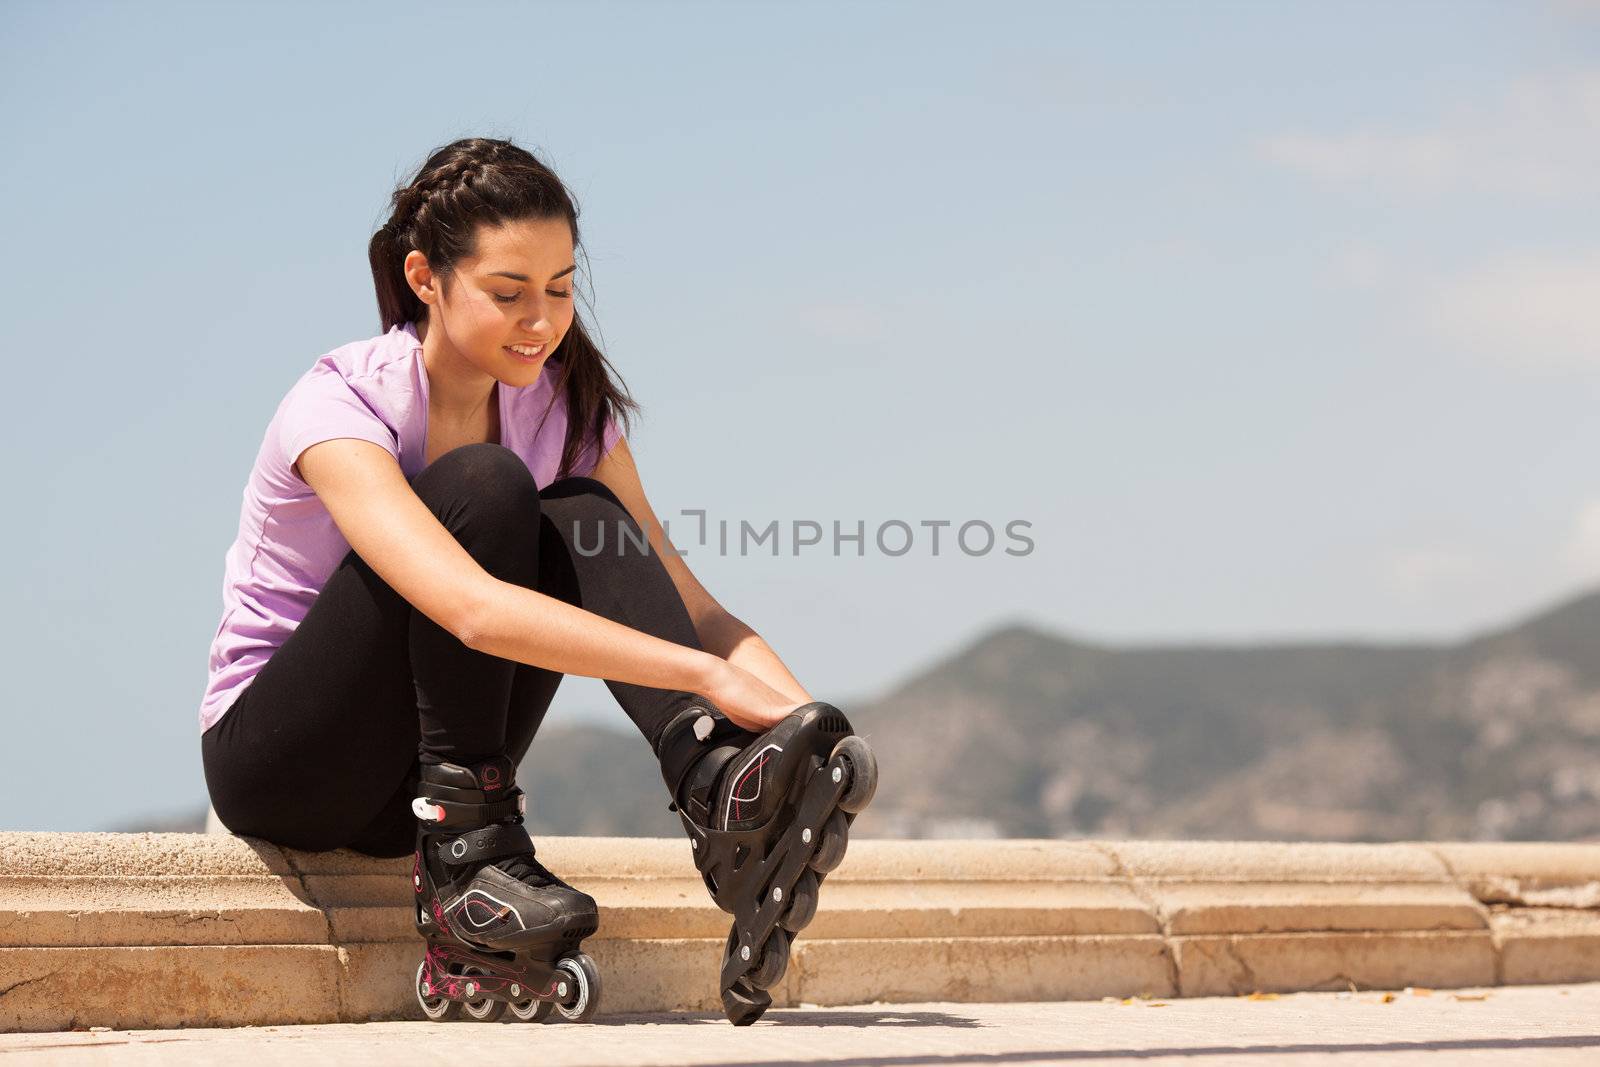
{"x":768,"y":817}
{"x":501,"y":930}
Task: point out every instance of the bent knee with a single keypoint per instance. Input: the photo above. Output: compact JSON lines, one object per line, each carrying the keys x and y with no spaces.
{"x":491,"y":478}
{"x":481,"y":459}
{"x":580,"y":486}
{"x":589,"y":501}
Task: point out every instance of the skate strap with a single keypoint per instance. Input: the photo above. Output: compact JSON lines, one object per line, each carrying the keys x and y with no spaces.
{"x":690,"y":735}
{"x":452,"y":814}
{"x":699,"y":810}
{"x":489,"y":843}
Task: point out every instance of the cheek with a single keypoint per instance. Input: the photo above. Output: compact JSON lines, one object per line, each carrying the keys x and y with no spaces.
{"x":487,"y":318}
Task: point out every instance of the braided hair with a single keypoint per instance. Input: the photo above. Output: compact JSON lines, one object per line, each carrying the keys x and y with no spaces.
{"x":486,"y":181}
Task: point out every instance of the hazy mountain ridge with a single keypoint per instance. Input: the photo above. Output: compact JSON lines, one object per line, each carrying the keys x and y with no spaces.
{"x":1027,"y":733}
{"x":1496,"y":737}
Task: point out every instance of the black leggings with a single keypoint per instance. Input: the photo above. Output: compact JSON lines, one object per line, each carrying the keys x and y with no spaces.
{"x":320,"y":749}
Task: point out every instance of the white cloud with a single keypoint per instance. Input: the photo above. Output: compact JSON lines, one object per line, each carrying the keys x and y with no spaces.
{"x":845,"y":321}
{"x":1577,"y":8}
{"x":1581,"y":553}
{"x":1527,"y":310}
{"x":1362,"y":265}
{"x":1420,"y":571}
{"x":1540,"y":138}
{"x":1413,"y":159}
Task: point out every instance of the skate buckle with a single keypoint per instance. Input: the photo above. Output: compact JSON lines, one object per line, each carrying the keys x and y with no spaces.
{"x":427,"y":810}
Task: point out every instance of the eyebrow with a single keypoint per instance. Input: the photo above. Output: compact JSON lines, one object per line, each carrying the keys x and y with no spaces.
{"x":523,"y":277}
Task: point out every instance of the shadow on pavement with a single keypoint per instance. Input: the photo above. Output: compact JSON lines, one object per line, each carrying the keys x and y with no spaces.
{"x":1509,"y":1044}
{"x":790,"y":1017}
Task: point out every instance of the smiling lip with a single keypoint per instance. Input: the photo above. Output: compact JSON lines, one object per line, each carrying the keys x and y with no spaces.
{"x":529,"y":359}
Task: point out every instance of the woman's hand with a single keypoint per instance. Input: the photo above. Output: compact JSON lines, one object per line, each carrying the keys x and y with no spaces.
{"x":745,"y":699}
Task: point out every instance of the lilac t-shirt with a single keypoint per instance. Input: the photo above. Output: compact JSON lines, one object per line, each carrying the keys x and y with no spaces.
{"x":288,"y":545}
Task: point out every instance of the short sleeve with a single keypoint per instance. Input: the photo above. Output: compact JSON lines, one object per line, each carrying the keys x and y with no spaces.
{"x":323,"y":407}
{"x":609,"y":439}
{"x":587,"y":459}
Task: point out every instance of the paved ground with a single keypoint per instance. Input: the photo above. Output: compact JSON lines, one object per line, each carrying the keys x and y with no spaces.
{"x":1526,"y":1025}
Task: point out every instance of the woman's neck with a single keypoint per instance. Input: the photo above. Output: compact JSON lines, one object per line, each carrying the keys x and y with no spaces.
{"x":458,"y":392}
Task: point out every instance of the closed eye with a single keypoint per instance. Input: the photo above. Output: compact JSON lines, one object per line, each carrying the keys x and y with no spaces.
{"x":517,"y":296}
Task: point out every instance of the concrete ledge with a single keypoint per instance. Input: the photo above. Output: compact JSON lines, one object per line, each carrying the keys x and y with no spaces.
{"x":165,"y":930}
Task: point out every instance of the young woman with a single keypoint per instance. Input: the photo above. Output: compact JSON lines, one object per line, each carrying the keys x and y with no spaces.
{"x":441,"y":522}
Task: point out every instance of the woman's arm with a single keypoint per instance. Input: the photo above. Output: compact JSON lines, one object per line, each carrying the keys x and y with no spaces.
{"x":398,"y":536}
{"x":720,"y":633}
{"x":726,"y":636}
{"x":525,"y":625}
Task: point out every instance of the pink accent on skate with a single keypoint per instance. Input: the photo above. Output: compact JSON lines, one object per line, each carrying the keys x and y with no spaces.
{"x":738,"y":813}
{"x":488,"y":912}
{"x":439,"y":980}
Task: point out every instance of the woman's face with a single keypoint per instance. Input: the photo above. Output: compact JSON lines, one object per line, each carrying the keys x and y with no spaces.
{"x":516,"y":291}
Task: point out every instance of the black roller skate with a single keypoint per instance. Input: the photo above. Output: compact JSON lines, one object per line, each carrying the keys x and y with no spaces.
{"x":501,"y":930}
{"x":768,"y":816}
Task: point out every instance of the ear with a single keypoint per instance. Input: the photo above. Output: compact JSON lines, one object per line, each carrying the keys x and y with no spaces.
{"x":420,"y":276}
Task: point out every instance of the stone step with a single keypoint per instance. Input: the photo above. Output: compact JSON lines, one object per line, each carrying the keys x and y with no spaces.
{"x":164,"y":930}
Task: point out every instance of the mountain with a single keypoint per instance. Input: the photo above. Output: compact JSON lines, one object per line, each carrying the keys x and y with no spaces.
{"x":1027,"y":733}
{"x":595,"y":782}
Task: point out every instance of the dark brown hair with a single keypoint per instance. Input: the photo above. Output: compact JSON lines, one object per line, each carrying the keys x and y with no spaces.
{"x":482,"y":181}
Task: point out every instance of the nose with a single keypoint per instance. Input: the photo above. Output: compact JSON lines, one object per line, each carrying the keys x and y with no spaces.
{"x":539,"y":326}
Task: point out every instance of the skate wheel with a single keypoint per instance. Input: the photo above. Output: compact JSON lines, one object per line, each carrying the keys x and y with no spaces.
{"x":863,"y":773}
{"x":774,"y":961}
{"x":437,"y":1008}
{"x":802,"y":903}
{"x":830,"y":850}
{"x":485,"y":1009}
{"x":584,"y":999}
{"x":533,"y":1010}
{"x":744,"y":1003}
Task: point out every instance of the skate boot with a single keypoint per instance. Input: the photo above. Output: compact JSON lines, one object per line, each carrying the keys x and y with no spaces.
{"x":501,"y":930}
{"x":767,"y":816}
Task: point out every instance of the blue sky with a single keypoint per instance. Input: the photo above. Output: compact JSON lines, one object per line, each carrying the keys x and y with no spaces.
{"x":1274,"y":321}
